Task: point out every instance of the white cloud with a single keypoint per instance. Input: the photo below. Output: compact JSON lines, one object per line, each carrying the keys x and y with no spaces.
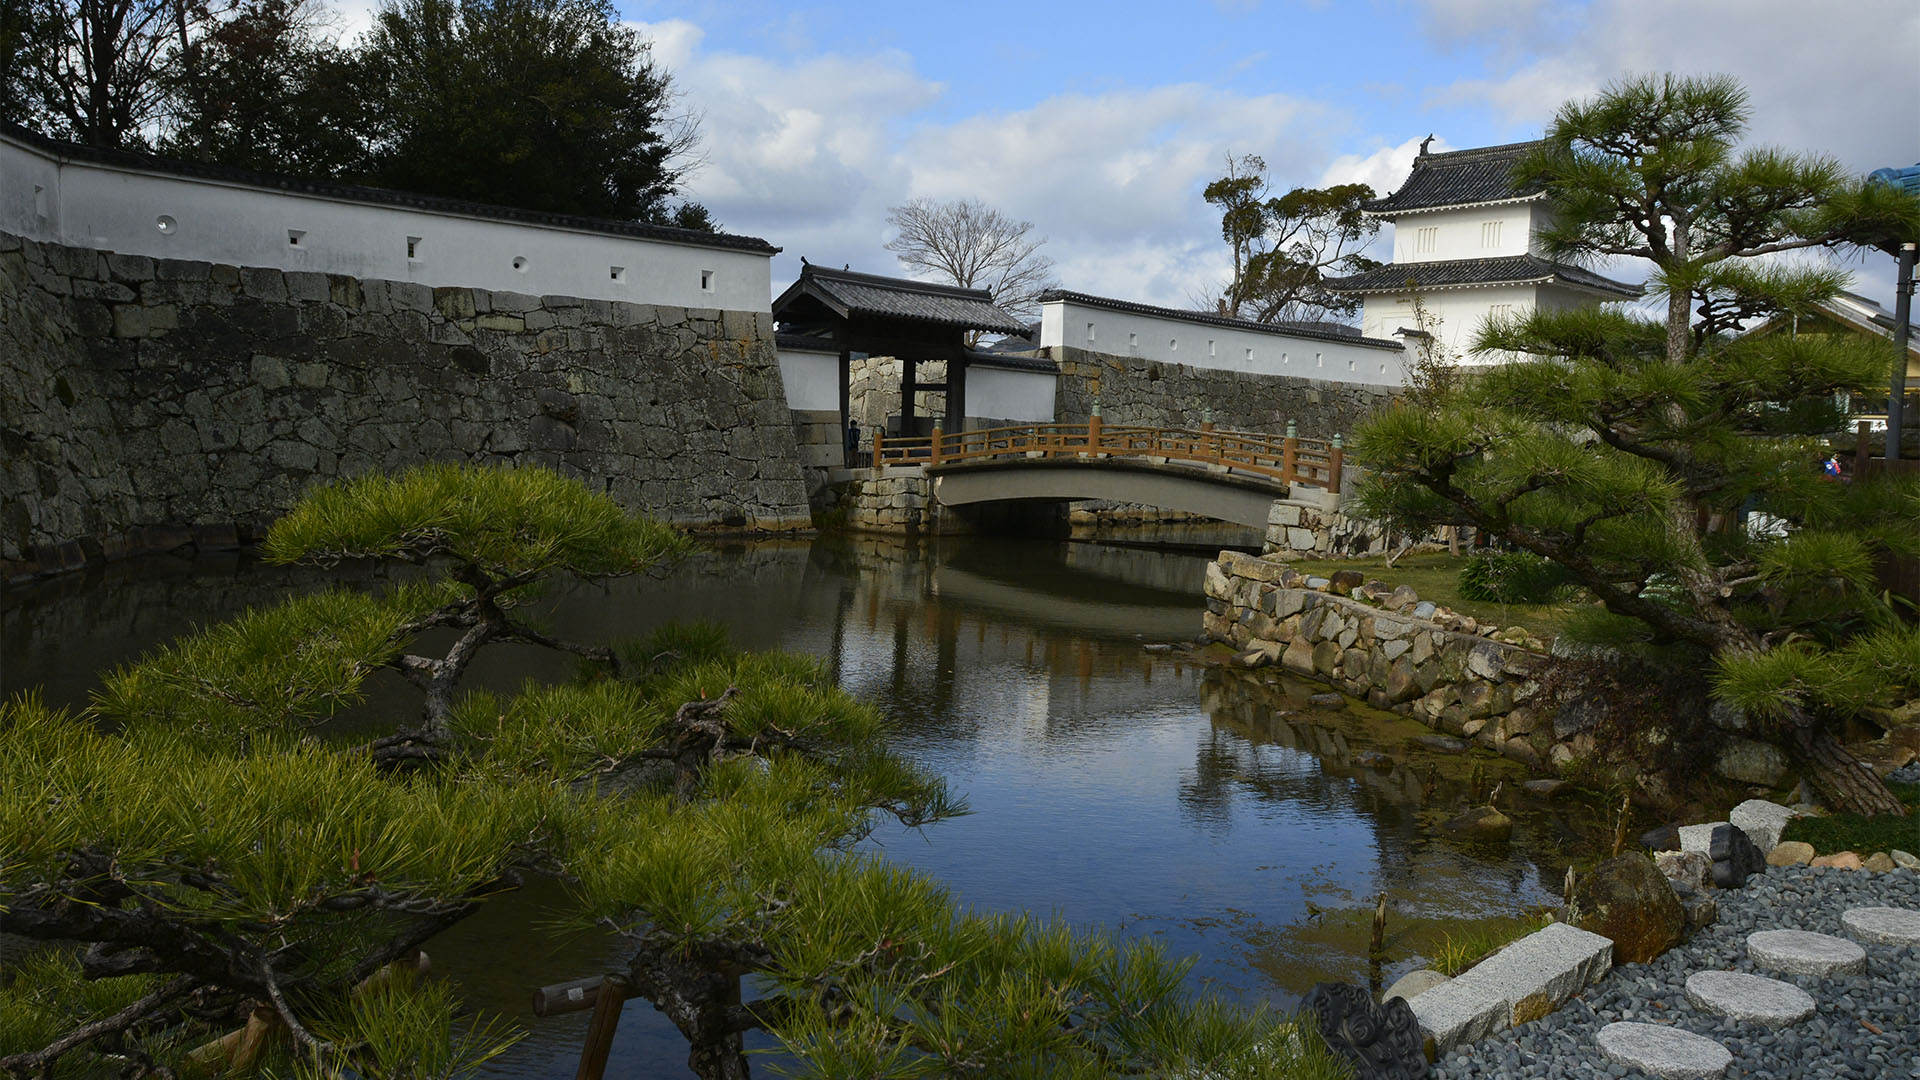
{"x":1382,"y":170}
{"x":1839,"y":80}
{"x":810,"y":153}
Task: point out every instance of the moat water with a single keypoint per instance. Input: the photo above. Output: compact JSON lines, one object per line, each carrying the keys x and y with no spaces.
{"x":1215,"y":810}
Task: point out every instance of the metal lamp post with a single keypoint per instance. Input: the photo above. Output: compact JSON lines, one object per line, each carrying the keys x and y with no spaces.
{"x":1908,"y":180}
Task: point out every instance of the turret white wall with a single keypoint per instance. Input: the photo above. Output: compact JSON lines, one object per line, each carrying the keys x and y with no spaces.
{"x":1475,"y":232}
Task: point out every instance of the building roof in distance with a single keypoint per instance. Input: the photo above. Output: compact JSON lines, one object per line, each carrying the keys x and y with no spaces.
{"x":333,"y":189}
{"x":848,"y":293}
{"x":1321,"y":331}
{"x":1459,"y":178}
{"x":1461,"y":273}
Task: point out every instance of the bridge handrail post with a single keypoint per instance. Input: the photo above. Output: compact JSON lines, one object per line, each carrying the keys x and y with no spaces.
{"x":1289,"y":454}
{"x":879,"y":447}
{"x":1335,"y":457}
{"x":933,"y":448}
{"x":1093,"y":435}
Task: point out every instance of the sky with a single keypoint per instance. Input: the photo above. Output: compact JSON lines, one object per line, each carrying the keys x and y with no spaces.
{"x":1101,"y":123}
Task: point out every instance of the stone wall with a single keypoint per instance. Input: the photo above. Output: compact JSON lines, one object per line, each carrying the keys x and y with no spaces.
{"x":1306,"y":529}
{"x":1452,"y":672}
{"x":143,"y":393}
{"x":1133,"y":390}
{"x":1390,"y":648}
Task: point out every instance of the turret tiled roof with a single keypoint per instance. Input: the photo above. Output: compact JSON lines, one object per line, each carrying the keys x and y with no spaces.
{"x":850,"y":293}
{"x":1505,"y":270}
{"x":1457,"y":178}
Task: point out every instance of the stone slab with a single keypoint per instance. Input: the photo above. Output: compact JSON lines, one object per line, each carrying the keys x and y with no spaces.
{"x":1762,"y":821}
{"x":1544,"y":968}
{"x":1802,"y":952}
{"x":1460,"y":1012}
{"x":1555,"y":962}
{"x":1883,"y":925}
{"x":1666,"y":1052}
{"x":1749,"y":998}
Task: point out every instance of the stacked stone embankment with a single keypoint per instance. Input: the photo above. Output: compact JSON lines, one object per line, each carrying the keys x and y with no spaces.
{"x":147,"y":395}
{"x":1392,"y":649}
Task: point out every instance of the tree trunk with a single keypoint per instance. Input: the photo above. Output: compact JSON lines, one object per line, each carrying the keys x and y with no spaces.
{"x":1847,"y":785}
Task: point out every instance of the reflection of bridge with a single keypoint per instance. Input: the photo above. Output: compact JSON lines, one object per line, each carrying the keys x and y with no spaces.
{"x":1229,"y":475}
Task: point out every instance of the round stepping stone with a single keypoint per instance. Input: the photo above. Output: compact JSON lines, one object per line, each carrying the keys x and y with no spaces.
{"x":1663,"y":1051}
{"x":1883,"y":925}
{"x":1749,"y":998}
{"x":1802,"y":952}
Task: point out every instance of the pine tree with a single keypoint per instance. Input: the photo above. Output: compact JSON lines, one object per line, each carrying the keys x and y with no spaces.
{"x":1629,"y":451}
{"x":222,"y":879}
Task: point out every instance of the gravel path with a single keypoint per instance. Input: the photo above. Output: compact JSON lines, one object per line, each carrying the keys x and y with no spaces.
{"x":1836,"y":1042}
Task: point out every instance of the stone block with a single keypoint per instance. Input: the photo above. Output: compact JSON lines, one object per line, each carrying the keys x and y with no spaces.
{"x":1666,"y":1052}
{"x":1751,"y":762}
{"x":1283,"y":513}
{"x":1802,"y":952}
{"x":1460,"y":1012}
{"x":263,"y":283}
{"x":1698,"y":837}
{"x":1762,"y":821}
{"x":1553,"y":963}
{"x":130,"y":321}
{"x":1414,"y":983}
{"x":1216,"y":584}
{"x":1790,"y":853}
{"x":1748,"y":998}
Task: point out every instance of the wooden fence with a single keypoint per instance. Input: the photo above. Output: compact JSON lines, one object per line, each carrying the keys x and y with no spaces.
{"x":1286,"y":458}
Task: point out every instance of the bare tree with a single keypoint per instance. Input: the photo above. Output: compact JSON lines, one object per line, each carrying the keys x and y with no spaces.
{"x":96,"y":76}
{"x":968,"y":243}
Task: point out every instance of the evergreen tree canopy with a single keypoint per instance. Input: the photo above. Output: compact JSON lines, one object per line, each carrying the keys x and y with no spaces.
{"x":557,"y":107}
{"x":1285,"y":246}
{"x":1630,"y":451}
{"x":216,"y":858}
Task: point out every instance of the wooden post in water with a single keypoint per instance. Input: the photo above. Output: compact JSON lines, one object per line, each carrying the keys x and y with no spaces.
{"x":606,"y":1017}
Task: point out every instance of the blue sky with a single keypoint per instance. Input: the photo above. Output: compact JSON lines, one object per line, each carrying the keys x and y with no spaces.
{"x":1101,"y":122}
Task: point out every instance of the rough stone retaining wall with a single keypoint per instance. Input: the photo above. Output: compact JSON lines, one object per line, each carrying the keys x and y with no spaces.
{"x":1390,"y":648}
{"x":144,"y":395}
{"x":1133,"y":390}
{"x":1303,"y":529}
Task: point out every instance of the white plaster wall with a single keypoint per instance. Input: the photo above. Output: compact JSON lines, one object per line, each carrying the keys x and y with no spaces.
{"x":812,"y":379}
{"x":1263,"y":352}
{"x":999,"y":394}
{"x":88,"y":205}
{"x":1459,"y":232}
{"x":1461,"y":311}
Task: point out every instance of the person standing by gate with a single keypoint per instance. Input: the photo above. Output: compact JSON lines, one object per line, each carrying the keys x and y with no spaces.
{"x":853,"y":441}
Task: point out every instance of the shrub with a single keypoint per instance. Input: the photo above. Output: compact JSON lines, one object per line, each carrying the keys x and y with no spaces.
{"x":1514,"y":577}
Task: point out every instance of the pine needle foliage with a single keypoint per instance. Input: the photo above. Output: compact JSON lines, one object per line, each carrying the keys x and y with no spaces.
{"x":506,"y":522}
{"x":206,"y":852}
{"x":1630,"y":451}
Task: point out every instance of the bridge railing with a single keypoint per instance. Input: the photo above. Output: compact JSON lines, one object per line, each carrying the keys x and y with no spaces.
{"x":1290,"y":459}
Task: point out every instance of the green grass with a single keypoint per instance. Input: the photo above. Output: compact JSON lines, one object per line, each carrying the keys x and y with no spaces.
{"x":1858,"y":833}
{"x":1436,"y":577}
{"x":1460,"y":950}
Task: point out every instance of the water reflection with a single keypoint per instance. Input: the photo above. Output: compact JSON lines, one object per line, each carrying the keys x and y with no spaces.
{"x":1213,"y":811}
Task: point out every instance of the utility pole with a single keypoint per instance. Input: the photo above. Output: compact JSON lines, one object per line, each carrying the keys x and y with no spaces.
{"x":1907,"y":180}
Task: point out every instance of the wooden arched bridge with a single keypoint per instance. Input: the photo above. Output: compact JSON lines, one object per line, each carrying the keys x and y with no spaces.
{"x":1229,"y":475}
